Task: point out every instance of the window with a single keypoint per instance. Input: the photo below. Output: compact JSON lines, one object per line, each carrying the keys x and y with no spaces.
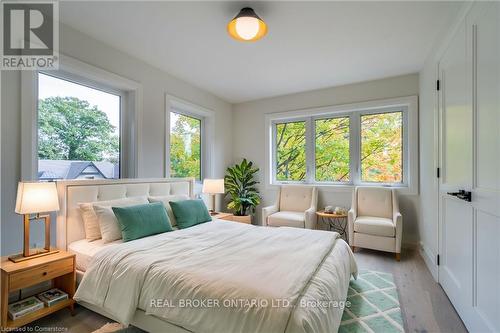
{"x":291,"y":151}
{"x":185,"y":146}
{"x":372,"y":143}
{"x":332,"y":154}
{"x":189,"y":149}
{"x":382,"y":147}
{"x":78,"y":130}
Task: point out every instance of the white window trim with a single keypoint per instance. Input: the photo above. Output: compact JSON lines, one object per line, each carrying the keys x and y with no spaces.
{"x":207,"y":117}
{"x":409,"y":105}
{"x":79,"y":72}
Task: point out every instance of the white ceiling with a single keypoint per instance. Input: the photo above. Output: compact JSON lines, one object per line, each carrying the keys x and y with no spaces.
{"x":310,"y":45}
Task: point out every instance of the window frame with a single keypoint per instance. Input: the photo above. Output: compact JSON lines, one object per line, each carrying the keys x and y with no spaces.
{"x":206,"y":117}
{"x":78,"y":72}
{"x":406,"y":105}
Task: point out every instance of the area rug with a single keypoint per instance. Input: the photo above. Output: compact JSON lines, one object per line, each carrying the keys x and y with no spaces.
{"x":374,"y":305}
{"x":118,"y":328}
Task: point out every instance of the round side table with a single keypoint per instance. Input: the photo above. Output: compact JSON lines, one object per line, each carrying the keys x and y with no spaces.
{"x":336,"y":222}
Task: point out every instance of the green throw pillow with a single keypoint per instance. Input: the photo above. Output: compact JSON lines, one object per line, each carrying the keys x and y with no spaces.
{"x":142,"y":220}
{"x":190,"y":212}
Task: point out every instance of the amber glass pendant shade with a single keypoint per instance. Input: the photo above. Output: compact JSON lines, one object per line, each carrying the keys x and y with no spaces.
{"x":247,"y":26}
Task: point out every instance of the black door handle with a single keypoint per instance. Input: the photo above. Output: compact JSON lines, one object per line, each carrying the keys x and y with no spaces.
{"x":462,"y":194}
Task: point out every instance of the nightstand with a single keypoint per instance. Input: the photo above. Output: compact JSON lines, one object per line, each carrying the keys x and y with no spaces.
{"x":221,"y":216}
{"x":231,"y":217}
{"x":59,"y":268}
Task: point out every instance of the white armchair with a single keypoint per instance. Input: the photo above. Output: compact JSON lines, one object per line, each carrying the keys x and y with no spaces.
{"x":295,"y":206}
{"x":375,"y":221}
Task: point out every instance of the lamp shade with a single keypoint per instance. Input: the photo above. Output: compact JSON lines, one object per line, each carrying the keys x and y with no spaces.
{"x":247,"y":26}
{"x":213,"y":186}
{"x":36,"y":198}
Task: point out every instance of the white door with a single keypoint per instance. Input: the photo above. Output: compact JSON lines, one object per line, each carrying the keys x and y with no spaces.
{"x":456,"y":172}
{"x":484,"y":31}
{"x":469,"y":71}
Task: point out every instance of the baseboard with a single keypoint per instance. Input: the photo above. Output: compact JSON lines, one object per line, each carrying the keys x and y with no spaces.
{"x":410,"y":245}
{"x":430,"y":260}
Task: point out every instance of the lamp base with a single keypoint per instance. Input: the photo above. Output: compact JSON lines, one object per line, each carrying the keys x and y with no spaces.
{"x":34,"y":253}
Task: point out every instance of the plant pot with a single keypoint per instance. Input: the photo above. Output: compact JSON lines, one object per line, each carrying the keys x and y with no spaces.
{"x":242,"y":219}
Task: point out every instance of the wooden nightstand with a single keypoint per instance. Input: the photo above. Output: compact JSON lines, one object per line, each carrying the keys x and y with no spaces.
{"x":233,"y":218}
{"x":59,"y":268}
{"x":221,"y":216}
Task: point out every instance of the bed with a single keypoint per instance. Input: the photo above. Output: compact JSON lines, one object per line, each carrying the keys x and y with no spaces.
{"x":85,"y":250}
{"x":218,"y":276}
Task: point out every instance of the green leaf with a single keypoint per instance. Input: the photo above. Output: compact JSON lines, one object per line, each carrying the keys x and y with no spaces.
{"x":240,"y":187}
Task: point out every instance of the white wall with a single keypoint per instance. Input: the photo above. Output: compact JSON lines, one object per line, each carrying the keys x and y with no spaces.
{"x":249,"y":129}
{"x":155,"y":85}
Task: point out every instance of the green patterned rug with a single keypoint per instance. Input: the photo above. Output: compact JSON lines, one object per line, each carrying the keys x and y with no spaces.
{"x":374,"y":305}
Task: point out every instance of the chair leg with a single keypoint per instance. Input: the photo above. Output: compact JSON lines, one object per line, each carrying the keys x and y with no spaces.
{"x":398,"y":256}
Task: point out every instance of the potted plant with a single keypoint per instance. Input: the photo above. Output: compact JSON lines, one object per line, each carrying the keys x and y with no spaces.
{"x":240,"y":187}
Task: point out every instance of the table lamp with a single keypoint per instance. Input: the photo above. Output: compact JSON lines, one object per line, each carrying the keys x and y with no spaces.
{"x":213,"y":187}
{"x":33,"y":199}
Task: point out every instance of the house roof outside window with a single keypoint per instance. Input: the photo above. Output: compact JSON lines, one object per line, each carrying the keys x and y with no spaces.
{"x":63,"y":169}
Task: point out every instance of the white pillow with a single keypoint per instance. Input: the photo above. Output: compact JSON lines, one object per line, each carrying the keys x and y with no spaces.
{"x":90,"y":224}
{"x":165,"y":200}
{"x":110,"y":230}
{"x":89,"y":217}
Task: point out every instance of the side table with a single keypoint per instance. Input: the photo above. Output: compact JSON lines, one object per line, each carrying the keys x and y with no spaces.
{"x":335,"y":222}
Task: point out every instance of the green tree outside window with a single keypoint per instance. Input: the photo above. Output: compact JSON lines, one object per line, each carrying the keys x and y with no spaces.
{"x":332,"y":149}
{"x":71,"y":129}
{"x":382,"y":147}
{"x":185,"y":146}
{"x":291,"y":151}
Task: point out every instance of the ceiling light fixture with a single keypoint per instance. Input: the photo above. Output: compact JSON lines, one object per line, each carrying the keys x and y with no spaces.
{"x":247,"y":26}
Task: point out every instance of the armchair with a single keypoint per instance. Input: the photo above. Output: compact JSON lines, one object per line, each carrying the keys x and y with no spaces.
{"x":295,"y":206}
{"x":374,"y":220}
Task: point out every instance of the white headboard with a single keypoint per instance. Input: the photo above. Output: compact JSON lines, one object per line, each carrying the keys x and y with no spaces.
{"x":72,"y":192}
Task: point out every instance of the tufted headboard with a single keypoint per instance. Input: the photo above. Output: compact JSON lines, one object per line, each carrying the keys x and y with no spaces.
{"x":72,"y":192}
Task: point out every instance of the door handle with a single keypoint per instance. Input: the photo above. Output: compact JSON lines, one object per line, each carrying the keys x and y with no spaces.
{"x":462,"y":194}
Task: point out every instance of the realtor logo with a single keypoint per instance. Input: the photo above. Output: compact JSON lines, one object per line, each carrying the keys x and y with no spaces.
{"x":30,"y":38}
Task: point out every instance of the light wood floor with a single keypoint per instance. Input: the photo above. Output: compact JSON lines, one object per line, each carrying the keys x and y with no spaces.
{"x":424,"y":304}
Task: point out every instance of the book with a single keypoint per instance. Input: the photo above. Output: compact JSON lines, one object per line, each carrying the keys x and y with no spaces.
{"x":52,"y":296}
{"x":24,"y":306}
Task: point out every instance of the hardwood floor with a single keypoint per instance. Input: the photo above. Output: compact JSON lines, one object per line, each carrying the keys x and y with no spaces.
{"x":424,"y":304}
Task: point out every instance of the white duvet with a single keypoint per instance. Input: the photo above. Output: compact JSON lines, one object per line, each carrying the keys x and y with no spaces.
{"x":226,"y":277}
